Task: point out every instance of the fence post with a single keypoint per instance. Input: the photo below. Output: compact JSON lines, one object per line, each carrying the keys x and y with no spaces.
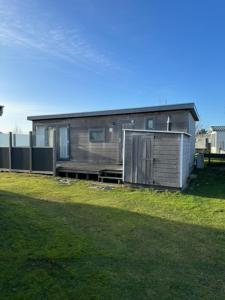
{"x":10,"y":151}
{"x":30,"y":151}
{"x":209,"y":149}
{"x":54,"y":154}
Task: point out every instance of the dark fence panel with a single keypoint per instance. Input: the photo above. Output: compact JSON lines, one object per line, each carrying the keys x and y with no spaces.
{"x":42,"y":159}
{"x":4,"y":158}
{"x":20,"y":159}
{"x":214,"y":155}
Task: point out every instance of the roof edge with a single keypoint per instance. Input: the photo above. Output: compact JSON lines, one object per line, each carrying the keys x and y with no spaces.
{"x":171,"y":107}
{"x":217,"y":127}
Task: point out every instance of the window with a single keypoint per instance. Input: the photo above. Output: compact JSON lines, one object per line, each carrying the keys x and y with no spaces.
{"x":63,"y":143}
{"x":97,"y":135}
{"x":44,"y":136}
{"x":40,"y":135}
{"x":149,"y":124}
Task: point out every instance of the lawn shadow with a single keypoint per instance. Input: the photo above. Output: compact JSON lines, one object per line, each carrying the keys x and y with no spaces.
{"x":52,"y":250}
{"x":210,"y":183}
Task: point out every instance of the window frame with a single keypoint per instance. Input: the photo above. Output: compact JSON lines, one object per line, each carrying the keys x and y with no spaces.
{"x":99,"y":130}
{"x":58,"y":126}
{"x":45,"y":135}
{"x":146,"y":123}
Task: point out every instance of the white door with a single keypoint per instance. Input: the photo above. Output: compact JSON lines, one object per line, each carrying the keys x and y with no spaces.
{"x":63,"y":143}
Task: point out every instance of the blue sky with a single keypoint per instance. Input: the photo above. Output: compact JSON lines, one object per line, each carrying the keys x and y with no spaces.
{"x":80,"y":55}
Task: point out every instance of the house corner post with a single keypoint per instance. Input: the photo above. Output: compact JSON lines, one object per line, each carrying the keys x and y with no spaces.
{"x":181,"y":159}
{"x":30,"y":151}
{"x":124,"y":141}
{"x":54,"y":154}
{"x":10,"y":151}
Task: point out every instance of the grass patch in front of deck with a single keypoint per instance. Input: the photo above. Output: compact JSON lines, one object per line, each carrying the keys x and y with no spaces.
{"x":77,"y":242}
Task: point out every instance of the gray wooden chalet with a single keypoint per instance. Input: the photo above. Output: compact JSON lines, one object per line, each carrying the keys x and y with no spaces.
{"x":148,"y":145}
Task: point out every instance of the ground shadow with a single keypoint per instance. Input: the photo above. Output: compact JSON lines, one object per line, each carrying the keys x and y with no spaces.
{"x":209,"y":182}
{"x":51,"y":250}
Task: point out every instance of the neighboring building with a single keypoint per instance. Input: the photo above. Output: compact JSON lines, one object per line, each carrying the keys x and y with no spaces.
{"x":217,"y":138}
{"x":89,"y":139}
{"x":202,"y":142}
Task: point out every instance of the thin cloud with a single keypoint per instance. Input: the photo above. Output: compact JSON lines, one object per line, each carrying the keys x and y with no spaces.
{"x":14,"y":116}
{"x":56,"y":41}
{"x":16,"y":112}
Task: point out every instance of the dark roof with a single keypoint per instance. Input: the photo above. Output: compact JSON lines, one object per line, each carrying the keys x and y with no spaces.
{"x":185,"y":106}
{"x":218,"y":128}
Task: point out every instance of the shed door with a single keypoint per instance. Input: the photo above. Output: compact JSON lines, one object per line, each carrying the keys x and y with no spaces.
{"x":142,"y":159}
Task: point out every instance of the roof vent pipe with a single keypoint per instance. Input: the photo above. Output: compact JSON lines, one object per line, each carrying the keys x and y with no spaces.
{"x":168,"y":124}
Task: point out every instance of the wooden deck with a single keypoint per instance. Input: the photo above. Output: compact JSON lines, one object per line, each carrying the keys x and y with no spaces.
{"x":86,"y":167}
{"x":102,"y":171}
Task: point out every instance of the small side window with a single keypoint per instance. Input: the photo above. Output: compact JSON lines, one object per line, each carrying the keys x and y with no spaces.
{"x":44,"y":136}
{"x":149,"y":124}
{"x":40,"y":131}
{"x":97,"y":135}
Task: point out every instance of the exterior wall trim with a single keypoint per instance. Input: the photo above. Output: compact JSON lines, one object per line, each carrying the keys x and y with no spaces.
{"x":162,"y":131}
{"x":181,"y":159}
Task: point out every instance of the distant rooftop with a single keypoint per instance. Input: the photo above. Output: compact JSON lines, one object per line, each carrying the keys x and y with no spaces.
{"x":217,"y":128}
{"x":172,"y":107}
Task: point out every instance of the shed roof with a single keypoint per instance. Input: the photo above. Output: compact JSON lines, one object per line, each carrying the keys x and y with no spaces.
{"x":172,"y":107}
{"x":217,"y":128}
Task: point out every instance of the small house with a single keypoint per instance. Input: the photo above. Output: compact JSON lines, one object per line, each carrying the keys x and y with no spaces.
{"x":202,"y":141}
{"x":148,"y":145}
{"x":217,"y":138}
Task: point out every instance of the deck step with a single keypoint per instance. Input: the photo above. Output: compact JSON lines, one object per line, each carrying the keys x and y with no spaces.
{"x":101,"y":178}
{"x":110,"y":177}
{"x":112,"y":171}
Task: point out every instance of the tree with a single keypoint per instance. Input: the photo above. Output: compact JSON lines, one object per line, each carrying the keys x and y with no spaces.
{"x":202,"y":131}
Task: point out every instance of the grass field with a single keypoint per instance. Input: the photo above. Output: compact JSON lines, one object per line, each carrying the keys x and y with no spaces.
{"x":77,"y":242}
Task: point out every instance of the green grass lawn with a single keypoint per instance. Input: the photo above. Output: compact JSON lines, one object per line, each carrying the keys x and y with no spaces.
{"x":77,"y":242}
